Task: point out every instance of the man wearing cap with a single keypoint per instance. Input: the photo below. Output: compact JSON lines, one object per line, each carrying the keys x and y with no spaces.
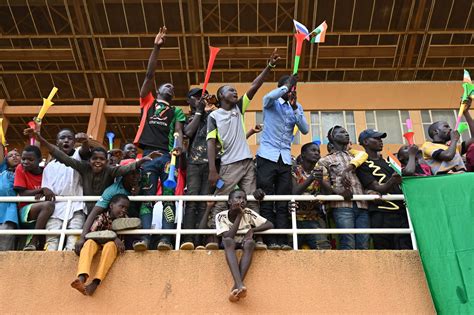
{"x":281,"y":113}
{"x":376,"y":175}
{"x":159,"y":122}
{"x":348,"y":214}
{"x":197,"y":161}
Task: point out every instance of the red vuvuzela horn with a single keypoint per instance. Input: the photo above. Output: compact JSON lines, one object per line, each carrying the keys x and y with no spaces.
{"x":32,"y":125}
{"x":212,"y":56}
{"x":409,"y":136}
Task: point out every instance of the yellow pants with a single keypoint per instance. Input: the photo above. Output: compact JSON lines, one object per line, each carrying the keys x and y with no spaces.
{"x":88,"y":251}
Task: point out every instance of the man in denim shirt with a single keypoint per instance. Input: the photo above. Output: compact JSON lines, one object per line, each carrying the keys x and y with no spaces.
{"x":281,"y":112}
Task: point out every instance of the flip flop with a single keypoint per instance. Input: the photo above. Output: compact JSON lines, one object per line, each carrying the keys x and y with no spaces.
{"x":79,"y":286}
{"x":29,"y":248}
{"x":242,"y":293}
{"x":101,"y":237}
{"x":233,"y":297}
{"x":122,"y":224}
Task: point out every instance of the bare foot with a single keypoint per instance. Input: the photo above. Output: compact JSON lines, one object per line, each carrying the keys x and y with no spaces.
{"x":79,"y":286}
{"x":233,"y":296}
{"x":91,"y":287}
{"x":242,"y":293}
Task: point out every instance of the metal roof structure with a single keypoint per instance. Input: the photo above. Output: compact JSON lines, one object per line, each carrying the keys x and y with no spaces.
{"x":99,"y":48}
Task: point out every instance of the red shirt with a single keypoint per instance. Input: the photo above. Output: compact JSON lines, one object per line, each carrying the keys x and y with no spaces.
{"x":145,"y":104}
{"x":26,"y":180}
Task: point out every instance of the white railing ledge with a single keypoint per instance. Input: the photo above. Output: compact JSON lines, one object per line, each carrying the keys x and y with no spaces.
{"x":214,"y":198}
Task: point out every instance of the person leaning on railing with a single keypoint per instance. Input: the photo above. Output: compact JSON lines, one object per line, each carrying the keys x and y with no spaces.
{"x":8,"y":210}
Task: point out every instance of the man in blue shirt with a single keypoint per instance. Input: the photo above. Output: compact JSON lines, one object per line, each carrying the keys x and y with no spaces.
{"x":281,"y":112}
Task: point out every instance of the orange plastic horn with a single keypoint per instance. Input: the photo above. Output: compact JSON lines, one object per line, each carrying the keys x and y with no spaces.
{"x":212,"y":56}
{"x":409,"y":136}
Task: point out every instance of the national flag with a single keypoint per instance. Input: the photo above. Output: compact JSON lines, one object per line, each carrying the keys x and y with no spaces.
{"x":467,"y":77}
{"x":300,"y":28}
{"x":394,"y":163}
{"x":320,"y":33}
{"x":441,"y":212}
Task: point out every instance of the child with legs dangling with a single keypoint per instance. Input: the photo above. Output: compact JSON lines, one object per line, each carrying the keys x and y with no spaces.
{"x":102,"y":236}
{"x":230,"y":225}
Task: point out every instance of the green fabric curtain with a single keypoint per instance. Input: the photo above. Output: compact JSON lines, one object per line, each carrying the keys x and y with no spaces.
{"x":442,"y":213}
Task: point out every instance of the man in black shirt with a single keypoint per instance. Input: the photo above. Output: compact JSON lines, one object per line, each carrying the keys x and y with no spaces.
{"x":376,"y":175}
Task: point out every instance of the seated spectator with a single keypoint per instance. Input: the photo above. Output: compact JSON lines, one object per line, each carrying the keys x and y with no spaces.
{"x":412,"y":162}
{"x":111,"y":245}
{"x":28,"y":176}
{"x":96,"y":174}
{"x":65,"y":181}
{"x":8,"y":210}
{"x":230,"y":223}
{"x":308,"y":180}
{"x":128,"y":185}
{"x":377,"y":175}
{"x":344,"y":182}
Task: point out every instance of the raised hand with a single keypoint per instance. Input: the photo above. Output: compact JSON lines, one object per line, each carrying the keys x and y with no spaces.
{"x":317,"y":173}
{"x":161,"y":36}
{"x":412,"y":150}
{"x":274,"y":58}
{"x":82,"y":137}
{"x":455,"y":136}
{"x":258,"y":128}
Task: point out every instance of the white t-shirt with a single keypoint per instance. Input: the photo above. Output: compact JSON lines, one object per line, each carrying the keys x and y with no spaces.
{"x":249,"y":219}
{"x":64,"y":181}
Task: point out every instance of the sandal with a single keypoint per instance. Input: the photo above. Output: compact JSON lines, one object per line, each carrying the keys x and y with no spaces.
{"x":30,"y":248}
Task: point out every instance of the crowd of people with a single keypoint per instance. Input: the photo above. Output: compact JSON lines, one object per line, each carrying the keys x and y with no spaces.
{"x":211,"y":144}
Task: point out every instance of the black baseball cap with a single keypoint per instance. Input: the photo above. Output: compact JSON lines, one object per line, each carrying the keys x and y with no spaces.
{"x":195,"y":91}
{"x":371,"y":133}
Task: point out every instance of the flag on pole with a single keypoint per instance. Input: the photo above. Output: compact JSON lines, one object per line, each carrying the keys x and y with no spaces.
{"x":320,"y":33}
{"x":467,"y":77}
{"x":300,"y":37}
{"x":394,"y":163}
{"x":300,"y":28}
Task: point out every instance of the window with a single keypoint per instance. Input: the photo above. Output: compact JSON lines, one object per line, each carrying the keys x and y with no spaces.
{"x":321,"y":122}
{"x":259,"y":120}
{"x":392,"y":122}
{"x":430,"y":116}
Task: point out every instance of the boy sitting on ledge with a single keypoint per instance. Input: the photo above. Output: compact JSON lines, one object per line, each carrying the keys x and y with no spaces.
{"x":228,"y":224}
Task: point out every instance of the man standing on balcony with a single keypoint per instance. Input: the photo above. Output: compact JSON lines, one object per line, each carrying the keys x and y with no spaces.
{"x":159,"y":122}
{"x":348,"y":214}
{"x":281,"y":112}
{"x":375,"y":174}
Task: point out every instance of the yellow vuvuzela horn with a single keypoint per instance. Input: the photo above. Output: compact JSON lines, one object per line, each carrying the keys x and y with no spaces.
{"x":47,"y":103}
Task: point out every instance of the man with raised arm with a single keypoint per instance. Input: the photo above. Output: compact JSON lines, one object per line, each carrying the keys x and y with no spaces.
{"x":226,"y":125}
{"x":159,"y":122}
{"x":281,"y":113}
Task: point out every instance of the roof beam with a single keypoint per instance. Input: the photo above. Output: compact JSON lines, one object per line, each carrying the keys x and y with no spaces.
{"x":36,"y":54}
{"x":58,"y":110}
{"x":357,"y":51}
{"x":451,"y":51}
{"x":139,"y":53}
